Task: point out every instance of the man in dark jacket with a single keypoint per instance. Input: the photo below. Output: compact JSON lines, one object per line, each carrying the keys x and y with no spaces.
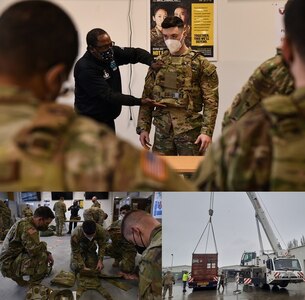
{"x":98,"y":87}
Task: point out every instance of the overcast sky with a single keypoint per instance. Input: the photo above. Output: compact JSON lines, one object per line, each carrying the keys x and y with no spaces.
{"x":186,"y":214}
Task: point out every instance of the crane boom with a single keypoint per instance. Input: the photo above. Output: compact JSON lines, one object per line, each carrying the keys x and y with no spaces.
{"x":261,"y":216}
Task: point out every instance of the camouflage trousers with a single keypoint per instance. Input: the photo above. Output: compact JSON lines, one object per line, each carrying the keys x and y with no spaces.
{"x":60,"y":221}
{"x":89,"y":258}
{"x":125,"y":259}
{"x":168,"y":287}
{"x":181,"y":144}
{"x":35,"y":267}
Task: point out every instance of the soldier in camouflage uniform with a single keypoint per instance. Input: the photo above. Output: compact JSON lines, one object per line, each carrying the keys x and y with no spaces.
{"x":141,"y":229}
{"x":62,"y":150}
{"x":187,"y":86}
{"x":27,"y":212}
{"x":95,"y":214}
{"x":123,"y":252}
{"x":270,"y":78}
{"x":84,"y":242}
{"x":167,"y":282}
{"x":60,"y":217}
{"x":95,"y":202}
{"x":5,"y":219}
{"x":22,"y":253}
{"x":264,"y":150}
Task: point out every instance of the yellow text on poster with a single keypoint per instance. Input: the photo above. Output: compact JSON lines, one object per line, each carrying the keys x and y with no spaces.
{"x":202,"y":24}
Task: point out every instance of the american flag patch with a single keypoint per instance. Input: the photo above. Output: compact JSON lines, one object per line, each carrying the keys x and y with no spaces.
{"x":153,"y":166}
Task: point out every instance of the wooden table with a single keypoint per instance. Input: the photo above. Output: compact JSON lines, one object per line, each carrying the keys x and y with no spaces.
{"x":183,"y":164}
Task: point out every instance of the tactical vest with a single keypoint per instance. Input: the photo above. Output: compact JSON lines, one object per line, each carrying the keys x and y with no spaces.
{"x":178,"y":82}
{"x":287,"y":117}
{"x":63,"y":278}
{"x":34,"y":158}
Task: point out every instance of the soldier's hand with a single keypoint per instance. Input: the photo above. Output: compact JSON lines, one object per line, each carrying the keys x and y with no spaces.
{"x":204,"y":141}
{"x":150,"y":102}
{"x":50,"y":259}
{"x":144,"y":140}
{"x":156,"y":65}
{"x":100,"y":265}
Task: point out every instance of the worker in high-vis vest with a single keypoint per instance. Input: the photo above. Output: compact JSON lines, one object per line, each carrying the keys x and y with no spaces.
{"x":185,"y":278}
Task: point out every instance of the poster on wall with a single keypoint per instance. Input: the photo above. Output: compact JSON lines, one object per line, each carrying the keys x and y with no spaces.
{"x":199,"y":17}
{"x":279,"y":20}
{"x":157,"y":205}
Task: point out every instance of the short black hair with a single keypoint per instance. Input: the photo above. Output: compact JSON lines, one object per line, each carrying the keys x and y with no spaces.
{"x":44,"y":212}
{"x":89,"y":227}
{"x":181,"y":6}
{"x":295,"y":24}
{"x":92,"y":36}
{"x":36,"y":35}
{"x":172,"y":21}
{"x":125,"y":207}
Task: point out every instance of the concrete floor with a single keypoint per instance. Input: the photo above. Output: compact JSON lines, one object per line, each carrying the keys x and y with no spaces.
{"x":60,"y":248}
{"x":293,"y":291}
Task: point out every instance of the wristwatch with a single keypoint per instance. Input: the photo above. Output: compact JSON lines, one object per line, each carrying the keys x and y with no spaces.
{"x":139,"y":130}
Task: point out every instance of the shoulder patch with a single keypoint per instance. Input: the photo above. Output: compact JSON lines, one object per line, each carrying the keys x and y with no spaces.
{"x":153,"y":166}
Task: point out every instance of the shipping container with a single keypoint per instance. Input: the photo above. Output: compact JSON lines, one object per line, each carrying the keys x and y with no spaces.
{"x":204,"y":271}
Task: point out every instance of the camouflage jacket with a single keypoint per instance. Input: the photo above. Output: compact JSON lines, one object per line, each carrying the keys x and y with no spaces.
{"x":27,"y":212}
{"x":270,"y":78}
{"x":188,"y":86}
{"x":48,"y":147}
{"x":168,"y":279}
{"x":60,"y":209}
{"x":6,"y":215}
{"x":118,"y":240}
{"x":264,"y":150}
{"x":96,"y":204}
{"x":95,"y":214}
{"x":150,"y":281}
{"x":23,"y":237}
{"x":80,"y":244}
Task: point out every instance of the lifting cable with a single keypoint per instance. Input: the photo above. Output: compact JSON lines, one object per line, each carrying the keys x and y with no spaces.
{"x":209,"y":226}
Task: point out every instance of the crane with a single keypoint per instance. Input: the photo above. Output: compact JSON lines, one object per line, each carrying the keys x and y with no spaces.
{"x":275,"y":268}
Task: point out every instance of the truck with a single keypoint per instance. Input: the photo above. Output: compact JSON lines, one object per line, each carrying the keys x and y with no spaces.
{"x":204,"y":273}
{"x":276,"y":267}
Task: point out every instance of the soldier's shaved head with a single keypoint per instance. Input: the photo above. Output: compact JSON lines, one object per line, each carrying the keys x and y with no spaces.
{"x":140,"y":222}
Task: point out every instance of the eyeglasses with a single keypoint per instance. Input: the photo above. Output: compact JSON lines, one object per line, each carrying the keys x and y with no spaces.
{"x":105,"y":47}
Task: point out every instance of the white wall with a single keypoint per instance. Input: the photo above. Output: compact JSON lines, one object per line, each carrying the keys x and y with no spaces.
{"x":106,"y":204}
{"x":246,"y":37}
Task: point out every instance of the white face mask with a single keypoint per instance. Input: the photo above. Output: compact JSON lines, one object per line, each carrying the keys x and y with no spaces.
{"x":173,"y":45}
{"x":90,"y":238}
